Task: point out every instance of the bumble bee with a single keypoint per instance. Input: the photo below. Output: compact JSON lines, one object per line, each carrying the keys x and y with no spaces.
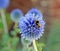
{"x":37,"y":23}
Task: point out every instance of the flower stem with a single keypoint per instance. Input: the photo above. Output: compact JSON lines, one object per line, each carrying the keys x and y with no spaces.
{"x":4,"y":21}
{"x":34,"y":45}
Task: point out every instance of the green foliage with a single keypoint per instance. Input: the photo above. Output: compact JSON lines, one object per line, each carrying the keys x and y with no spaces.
{"x":8,"y":19}
{"x":40,"y":46}
{"x":53,"y":42}
{"x":1,"y":25}
{"x":8,"y":43}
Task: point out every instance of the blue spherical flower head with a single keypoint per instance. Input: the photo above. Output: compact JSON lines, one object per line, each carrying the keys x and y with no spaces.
{"x":4,"y":3}
{"x":35,"y":13}
{"x":31,"y":26}
{"x":16,"y":14}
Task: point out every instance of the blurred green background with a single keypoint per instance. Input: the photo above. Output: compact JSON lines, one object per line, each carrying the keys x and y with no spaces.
{"x":50,"y":41}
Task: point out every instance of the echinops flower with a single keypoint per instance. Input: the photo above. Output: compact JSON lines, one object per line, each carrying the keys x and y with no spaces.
{"x":35,"y":13}
{"x":32,"y":25}
{"x":16,"y":14}
{"x":4,"y":3}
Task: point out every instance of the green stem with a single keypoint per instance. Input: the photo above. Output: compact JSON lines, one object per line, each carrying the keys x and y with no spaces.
{"x":34,"y":45}
{"x":4,"y":21}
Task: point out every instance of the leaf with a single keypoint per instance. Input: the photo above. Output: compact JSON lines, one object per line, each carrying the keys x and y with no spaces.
{"x":40,"y":46}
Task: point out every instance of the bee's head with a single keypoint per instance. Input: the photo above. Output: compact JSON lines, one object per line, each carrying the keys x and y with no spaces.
{"x":36,"y":22}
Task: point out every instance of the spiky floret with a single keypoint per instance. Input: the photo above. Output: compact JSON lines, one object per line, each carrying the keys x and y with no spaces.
{"x":28,"y":27}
